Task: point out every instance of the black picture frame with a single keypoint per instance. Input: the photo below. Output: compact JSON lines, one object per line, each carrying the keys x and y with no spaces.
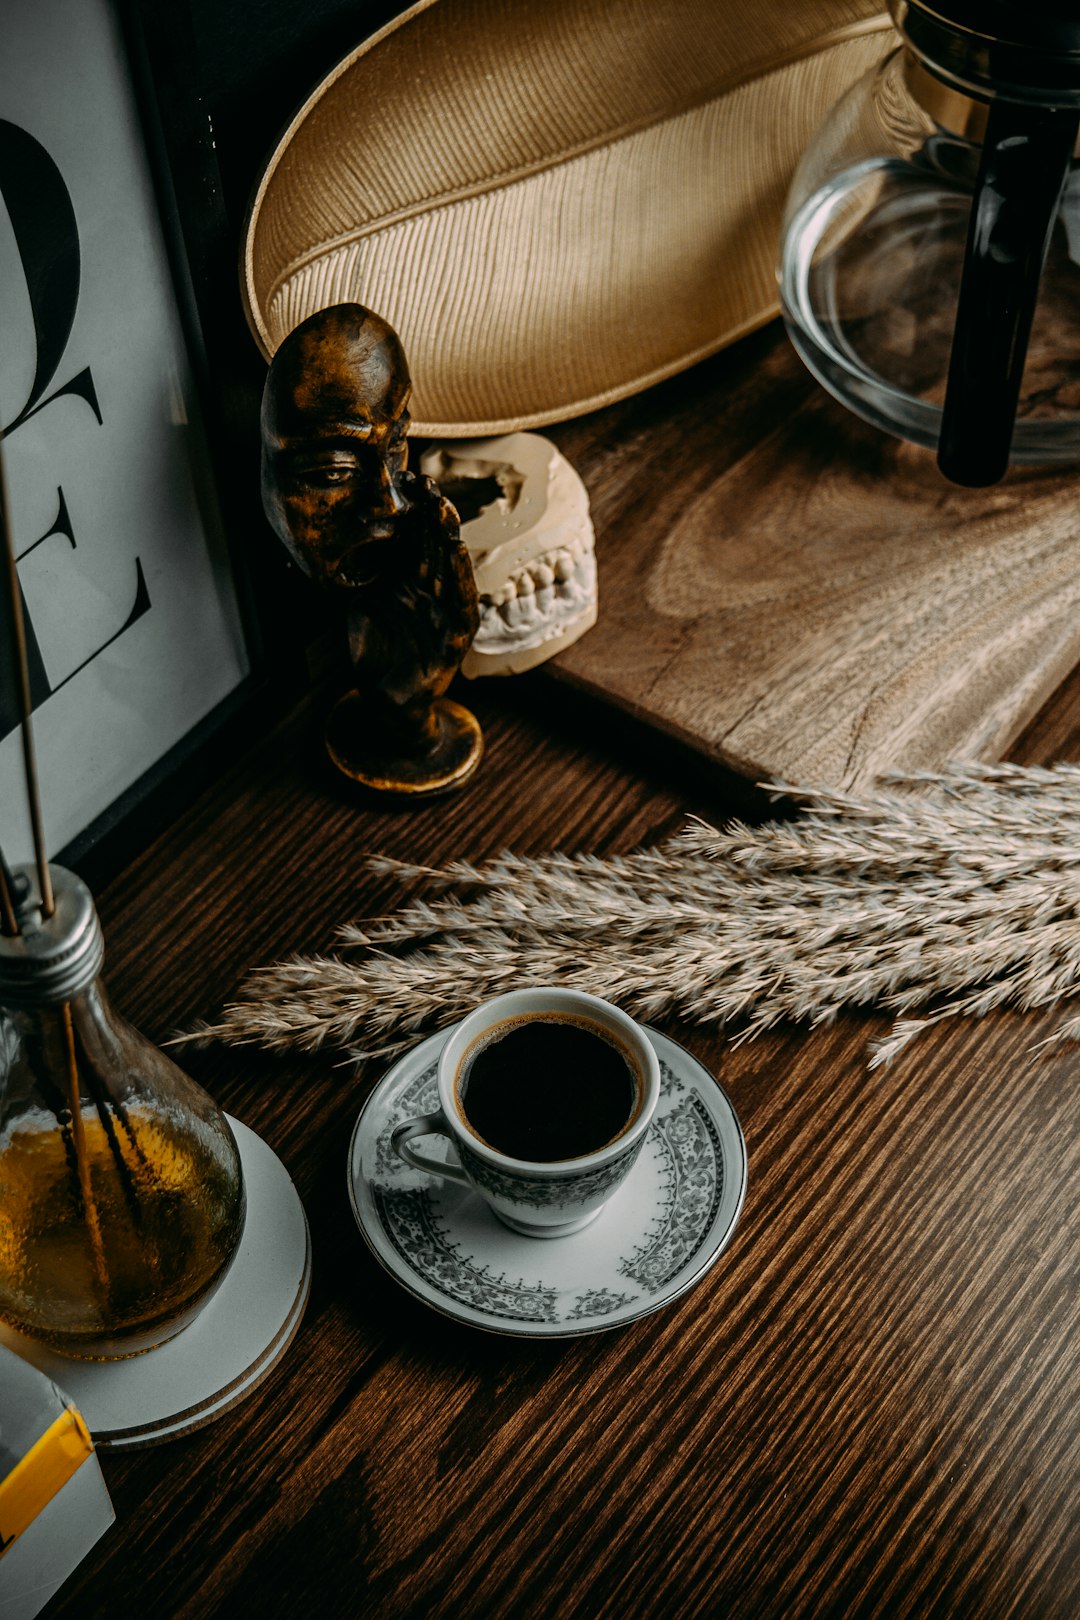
{"x":214,"y":85}
{"x":177,"y":149}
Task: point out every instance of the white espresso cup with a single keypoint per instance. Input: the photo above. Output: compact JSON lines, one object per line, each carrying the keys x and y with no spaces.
{"x":540,"y":1197}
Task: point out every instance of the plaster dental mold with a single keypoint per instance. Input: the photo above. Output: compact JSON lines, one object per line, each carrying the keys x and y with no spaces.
{"x":525,"y":520}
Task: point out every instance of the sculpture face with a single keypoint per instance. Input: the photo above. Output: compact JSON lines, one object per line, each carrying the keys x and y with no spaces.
{"x":334,"y":421}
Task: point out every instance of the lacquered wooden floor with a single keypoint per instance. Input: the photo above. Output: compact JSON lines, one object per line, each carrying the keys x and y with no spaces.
{"x":868,"y":1407}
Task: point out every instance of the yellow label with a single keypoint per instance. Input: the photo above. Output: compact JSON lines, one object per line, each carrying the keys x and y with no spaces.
{"x":45,"y":1469}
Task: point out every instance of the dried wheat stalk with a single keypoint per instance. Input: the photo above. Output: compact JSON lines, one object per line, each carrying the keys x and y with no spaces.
{"x":936,"y":895}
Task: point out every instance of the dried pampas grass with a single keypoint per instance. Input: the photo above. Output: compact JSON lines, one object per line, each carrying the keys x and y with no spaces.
{"x":936,"y":896}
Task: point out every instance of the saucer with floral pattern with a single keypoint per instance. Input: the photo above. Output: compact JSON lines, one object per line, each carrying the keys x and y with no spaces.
{"x":656,"y":1237}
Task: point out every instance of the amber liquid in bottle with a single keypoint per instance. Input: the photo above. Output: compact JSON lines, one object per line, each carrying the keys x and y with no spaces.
{"x":134,"y":1271}
{"x":119,"y":1215}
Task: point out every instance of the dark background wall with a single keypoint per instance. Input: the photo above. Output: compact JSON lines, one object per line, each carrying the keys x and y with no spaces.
{"x":219,"y":81}
{"x":258,"y":60}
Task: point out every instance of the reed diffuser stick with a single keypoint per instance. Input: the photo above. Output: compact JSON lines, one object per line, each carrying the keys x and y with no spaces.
{"x":75,"y":1131}
{"x":22,"y":686}
{"x":82,"y":1158}
{"x":9,"y":917}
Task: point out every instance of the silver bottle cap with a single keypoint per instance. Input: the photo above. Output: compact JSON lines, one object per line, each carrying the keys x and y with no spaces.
{"x":53,"y":958}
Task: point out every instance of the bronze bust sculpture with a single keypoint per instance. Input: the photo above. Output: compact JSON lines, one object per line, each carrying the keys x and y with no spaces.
{"x":380,"y":540}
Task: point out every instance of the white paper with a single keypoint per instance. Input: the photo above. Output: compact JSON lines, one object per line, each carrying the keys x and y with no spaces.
{"x":144,"y":535}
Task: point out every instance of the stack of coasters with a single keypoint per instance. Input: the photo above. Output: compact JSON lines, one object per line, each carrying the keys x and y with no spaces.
{"x":53,"y":1501}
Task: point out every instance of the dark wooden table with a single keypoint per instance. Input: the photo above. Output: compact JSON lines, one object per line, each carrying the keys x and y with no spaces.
{"x":868,"y":1407}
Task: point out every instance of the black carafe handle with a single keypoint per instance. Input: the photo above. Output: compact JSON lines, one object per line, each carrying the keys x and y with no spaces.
{"x":1025,"y":160}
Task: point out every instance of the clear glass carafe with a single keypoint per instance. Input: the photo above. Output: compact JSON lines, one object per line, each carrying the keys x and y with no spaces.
{"x":121,"y":1193}
{"x":930,"y":263}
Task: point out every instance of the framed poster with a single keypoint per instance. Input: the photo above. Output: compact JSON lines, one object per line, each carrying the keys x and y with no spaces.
{"x":137,"y":634}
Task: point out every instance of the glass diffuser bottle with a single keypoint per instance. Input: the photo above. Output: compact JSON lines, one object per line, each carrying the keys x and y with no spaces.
{"x":121,"y":1194}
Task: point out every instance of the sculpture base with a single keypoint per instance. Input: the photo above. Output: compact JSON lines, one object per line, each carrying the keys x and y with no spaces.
{"x":241,"y":1333}
{"x":447,"y":766}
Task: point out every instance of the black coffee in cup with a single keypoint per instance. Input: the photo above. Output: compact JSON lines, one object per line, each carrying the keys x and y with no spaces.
{"x":545,"y":1086}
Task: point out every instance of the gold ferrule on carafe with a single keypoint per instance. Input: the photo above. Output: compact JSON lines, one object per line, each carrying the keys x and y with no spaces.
{"x":1035,"y":64}
{"x":950,"y":108}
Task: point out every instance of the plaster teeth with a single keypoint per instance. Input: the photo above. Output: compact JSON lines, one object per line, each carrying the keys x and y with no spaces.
{"x":535,"y":555}
{"x":557,"y":580}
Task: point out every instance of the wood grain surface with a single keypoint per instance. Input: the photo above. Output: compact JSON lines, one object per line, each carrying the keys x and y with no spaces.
{"x":799,"y":596}
{"x":869,"y":1407}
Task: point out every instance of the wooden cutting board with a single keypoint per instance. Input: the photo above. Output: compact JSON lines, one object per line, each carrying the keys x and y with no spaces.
{"x":800,"y":597}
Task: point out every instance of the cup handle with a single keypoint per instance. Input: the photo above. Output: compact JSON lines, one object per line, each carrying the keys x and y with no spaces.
{"x":425,"y":1125}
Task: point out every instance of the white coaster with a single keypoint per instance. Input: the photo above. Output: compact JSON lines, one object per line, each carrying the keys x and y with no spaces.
{"x":229,"y":1348}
